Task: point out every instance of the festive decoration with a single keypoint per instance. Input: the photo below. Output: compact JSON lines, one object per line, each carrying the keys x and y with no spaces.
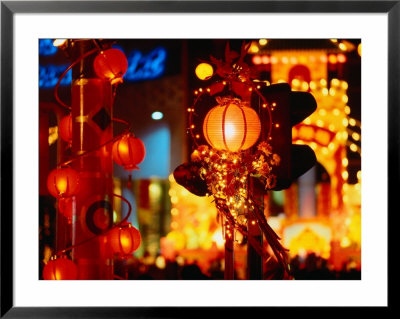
{"x":125,"y":239}
{"x":189,"y":177}
{"x":63,"y":182}
{"x":227,"y":176}
{"x":65,"y":128}
{"x":60,"y":268}
{"x":231,"y":126}
{"x":111,"y":64}
{"x":228,"y":169}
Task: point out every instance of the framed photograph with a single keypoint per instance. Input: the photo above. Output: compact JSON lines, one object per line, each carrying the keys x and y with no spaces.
{"x":126,"y":99}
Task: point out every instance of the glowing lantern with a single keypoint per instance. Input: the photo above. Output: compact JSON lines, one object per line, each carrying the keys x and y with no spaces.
{"x":65,"y":128}
{"x":129,"y":151}
{"x":63,"y":182}
{"x":60,"y":268}
{"x":231,"y":127}
{"x":204,"y":71}
{"x":125,"y":240}
{"x":111,"y":65}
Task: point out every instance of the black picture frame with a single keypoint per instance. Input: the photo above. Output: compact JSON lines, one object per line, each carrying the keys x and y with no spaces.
{"x":9,"y":8}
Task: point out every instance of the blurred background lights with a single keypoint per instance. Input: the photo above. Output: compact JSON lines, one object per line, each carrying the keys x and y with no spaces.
{"x":59,"y":42}
{"x":157,"y":115}
{"x":263,"y":41}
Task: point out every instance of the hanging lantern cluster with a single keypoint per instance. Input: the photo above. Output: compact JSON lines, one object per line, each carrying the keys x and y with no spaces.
{"x":63,"y":183}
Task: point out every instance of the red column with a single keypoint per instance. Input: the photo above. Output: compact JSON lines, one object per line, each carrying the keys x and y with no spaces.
{"x":92,"y":127}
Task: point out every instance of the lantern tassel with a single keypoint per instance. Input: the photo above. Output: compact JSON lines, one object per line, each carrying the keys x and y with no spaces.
{"x":130,"y":180}
{"x":273,"y":240}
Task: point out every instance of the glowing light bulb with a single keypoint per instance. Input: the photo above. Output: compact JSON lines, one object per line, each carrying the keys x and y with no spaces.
{"x":352,"y":122}
{"x":332,"y":59}
{"x":353,"y":147}
{"x":263,"y":41}
{"x":265,"y":59}
{"x":342,"y":46}
{"x":355,"y":136}
{"x":204,"y":71}
{"x":254,"y":48}
{"x":335,"y":82}
{"x":59,"y":42}
{"x":257,"y":59}
{"x":157,"y":115}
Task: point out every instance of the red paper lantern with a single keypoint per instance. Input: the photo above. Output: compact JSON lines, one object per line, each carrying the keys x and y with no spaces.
{"x":231,"y":127}
{"x":125,"y":240}
{"x":65,"y":128}
{"x":111,"y":65}
{"x":60,"y":268}
{"x":129,"y":151}
{"x":63,"y":182}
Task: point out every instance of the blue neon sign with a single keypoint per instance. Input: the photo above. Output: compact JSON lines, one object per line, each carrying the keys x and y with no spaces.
{"x":49,"y":75}
{"x":140,"y":67}
{"x":146,"y":67}
{"x":46,"y":47}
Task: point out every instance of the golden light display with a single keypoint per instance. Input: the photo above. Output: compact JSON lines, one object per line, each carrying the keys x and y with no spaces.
{"x":193,"y":220}
{"x":308,"y":237}
{"x":331,"y":132}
